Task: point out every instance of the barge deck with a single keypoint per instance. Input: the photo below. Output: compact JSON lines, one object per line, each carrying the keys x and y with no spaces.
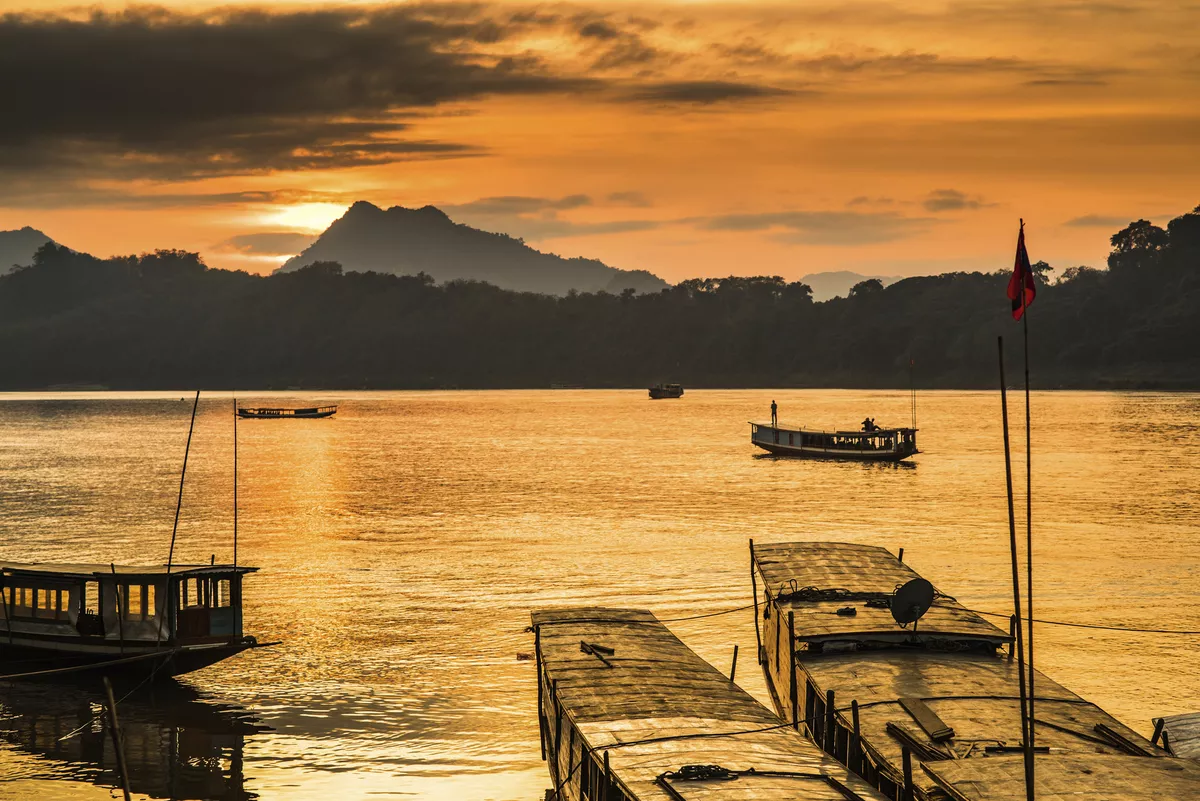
{"x":627,"y":712}
{"x":931,"y":713}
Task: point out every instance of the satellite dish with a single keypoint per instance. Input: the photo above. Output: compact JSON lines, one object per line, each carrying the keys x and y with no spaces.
{"x":912,"y":601}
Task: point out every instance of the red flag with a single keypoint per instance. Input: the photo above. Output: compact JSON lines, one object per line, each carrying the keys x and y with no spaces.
{"x":1022,"y":277}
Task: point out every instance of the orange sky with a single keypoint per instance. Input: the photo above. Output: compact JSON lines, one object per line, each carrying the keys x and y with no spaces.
{"x":688,"y":139}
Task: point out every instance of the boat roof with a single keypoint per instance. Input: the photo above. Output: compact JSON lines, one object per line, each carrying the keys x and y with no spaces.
{"x":83,"y":570}
{"x":1182,"y":734}
{"x":1068,"y":777}
{"x":654,"y":706}
{"x":860,"y":570}
{"x":857,"y":433}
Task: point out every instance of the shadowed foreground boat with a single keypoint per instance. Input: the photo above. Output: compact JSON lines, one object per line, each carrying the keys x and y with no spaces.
{"x":932,"y":712}
{"x":627,"y":712}
{"x":66,"y":619}
{"x":879,"y":445}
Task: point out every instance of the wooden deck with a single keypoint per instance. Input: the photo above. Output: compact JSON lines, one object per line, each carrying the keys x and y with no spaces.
{"x":617,"y":688}
{"x":1070,"y":777}
{"x":947,"y":694}
{"x":1181,"y":734}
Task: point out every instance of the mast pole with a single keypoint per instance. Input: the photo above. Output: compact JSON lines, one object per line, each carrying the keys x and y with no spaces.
{"x":235,"y":481}
{"x":1026,"y":724}
{"x":175,"y":528}
{"x":1028,"y":519}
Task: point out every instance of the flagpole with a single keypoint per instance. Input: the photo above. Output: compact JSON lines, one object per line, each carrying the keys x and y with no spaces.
{"x":1028,"y":519}
{"x":1026,"y":724}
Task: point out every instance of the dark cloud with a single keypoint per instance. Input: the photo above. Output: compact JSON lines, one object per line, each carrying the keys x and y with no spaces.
{"x":267,"y":243}
{"x":154,"y":93}
{"x":822,"y":227}
{"x":950,"y":200}
{"x":1098,"y":221}
{"x":617,"y":44}
{"x":704,"y":92}
{"x":1035,"y":73}
{"x":39,"y":194}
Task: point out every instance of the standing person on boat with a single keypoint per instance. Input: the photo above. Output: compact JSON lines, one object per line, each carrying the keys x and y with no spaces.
{"x":774,"y":415}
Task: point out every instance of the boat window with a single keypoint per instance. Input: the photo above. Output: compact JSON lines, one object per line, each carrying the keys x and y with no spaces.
{"x":223,"y":596}
{"x":138,"y":601}
{"x":91,"y":597}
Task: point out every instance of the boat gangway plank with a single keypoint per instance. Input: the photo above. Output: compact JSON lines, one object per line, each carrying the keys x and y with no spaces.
{"x":624,"y":707}
{"x":1181,"y":734}
{"x":945,"y":693}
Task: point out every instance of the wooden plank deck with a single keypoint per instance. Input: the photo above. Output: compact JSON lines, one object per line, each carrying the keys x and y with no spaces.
{"x":653,"y":706}
{"x":861,"y":570}
{"x":906,"y":688}
{"x":1069,"y":777}
{"x":1182,"y":734}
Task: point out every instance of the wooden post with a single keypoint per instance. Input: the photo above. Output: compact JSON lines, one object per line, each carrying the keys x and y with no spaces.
{"x":792,"y":663}
{"x":906,"y":755}
{"x":607,"y":778}
{"x":900,"y":559}
{"x":855,"y":760}
{"x":733,"y":667}
{"x":120,"y":610}
{"x":1012,"y":632}
{"x":537,"y":651}
{"x":557,"y":729}
{"x":754,"y":590}
{"x":114,"y":728}
{"x":830,"y":724}
{"x":1158,"y":730}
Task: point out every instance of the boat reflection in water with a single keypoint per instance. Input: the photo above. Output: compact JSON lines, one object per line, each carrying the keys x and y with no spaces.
{"x":177,"y":745}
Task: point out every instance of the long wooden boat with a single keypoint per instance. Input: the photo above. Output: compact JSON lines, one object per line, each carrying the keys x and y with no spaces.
{"x":63,"y":619}
{"x":627,"y":712}
{"x":932,"y":713}
{"x":271,"y":413}
{"x":880,"y":445}
{"x":663,"y":391}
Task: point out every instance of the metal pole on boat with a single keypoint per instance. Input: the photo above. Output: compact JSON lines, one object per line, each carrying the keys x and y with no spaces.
{"x":733,"y":667}
{"x":235,"y":481}
{"x":114,"y":728}
{"x":175,"y":528}
{"x":1016,"y":578}
{"x":792,"y":672}
{"x":1028,"y":531}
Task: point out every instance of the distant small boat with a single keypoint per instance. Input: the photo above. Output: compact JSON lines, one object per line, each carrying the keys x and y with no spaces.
{"x":879,"y":445}
{"x":660,"y":391}
{"x":312,"y":413}
{"x":566,"y":386}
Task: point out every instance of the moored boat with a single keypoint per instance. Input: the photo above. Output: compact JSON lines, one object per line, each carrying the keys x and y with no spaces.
{"x":661,"y":391}
{"x":268,"y":413}
{"x":932,"y":711}
{"x":877,"y":445}
{"x":627,"y":712}
{"x":61,"y":619}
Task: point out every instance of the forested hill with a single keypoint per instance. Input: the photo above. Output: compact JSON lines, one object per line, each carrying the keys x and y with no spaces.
{"x":164,"y":320}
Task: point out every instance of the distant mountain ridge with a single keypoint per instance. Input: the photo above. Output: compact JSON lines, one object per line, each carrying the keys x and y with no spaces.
{"x":17,"y":247}
{"x":404,"y":241}
{"x":837,"y":284}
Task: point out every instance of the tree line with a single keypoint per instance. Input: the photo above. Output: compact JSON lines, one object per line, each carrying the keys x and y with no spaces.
{"x":164,"y":319}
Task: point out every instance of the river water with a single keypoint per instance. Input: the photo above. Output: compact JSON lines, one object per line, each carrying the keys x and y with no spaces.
{"x":403,"y":543}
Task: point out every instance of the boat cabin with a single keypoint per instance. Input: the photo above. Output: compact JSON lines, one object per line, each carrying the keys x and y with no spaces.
{"x":193,"y":604}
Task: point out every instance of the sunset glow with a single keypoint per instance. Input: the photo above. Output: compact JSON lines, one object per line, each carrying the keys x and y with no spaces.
{"x":683,"y":138}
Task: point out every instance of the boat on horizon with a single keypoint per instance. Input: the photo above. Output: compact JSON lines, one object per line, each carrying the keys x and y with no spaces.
{"x":271,"y":413}
{"x":64,"y":619}
{"x":661,"y":391}
{"x":876,"y":445}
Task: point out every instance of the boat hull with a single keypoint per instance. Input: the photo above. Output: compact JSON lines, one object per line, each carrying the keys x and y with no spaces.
{"x":256,"y":415}
{"x":27,"y":661}
{"x":663,"y":394}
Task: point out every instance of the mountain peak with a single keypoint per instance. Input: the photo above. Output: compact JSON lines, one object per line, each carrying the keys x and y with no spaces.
{"x":17,"y":247}
{"x":404,"y":241}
